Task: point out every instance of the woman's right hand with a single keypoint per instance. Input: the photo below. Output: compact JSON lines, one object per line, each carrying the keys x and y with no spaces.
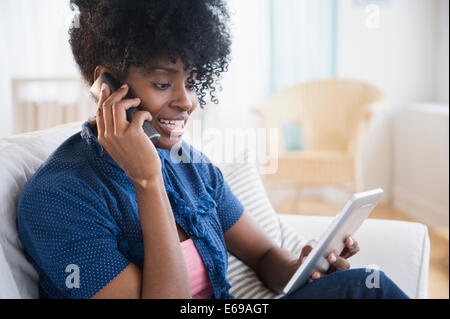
{"x":336,"y":262}
{"x":126,"y":142}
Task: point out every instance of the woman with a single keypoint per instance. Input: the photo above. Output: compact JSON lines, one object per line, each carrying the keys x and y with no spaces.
{"x":110,"y":215}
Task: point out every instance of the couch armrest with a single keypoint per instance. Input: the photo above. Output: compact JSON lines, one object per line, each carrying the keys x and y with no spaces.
{"x":400,"y":249}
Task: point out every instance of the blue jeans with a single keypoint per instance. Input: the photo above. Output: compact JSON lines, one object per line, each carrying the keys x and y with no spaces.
{"x":350,"y":284}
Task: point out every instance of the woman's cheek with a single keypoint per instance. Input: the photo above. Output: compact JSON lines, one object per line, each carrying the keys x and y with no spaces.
{"x":153,"y":104}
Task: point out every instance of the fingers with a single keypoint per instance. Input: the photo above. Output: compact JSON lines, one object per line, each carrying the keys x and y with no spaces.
{"x":351,"y":248}
{"x":337,"y":262}
{"x":107,"y":106}
{"x":107,"y":114}
{"x":112,"y":109}
{"x":119,"y":113}
{"x":316,"y":275}
{"x":99,"y":115}
{"x":305,"y":251}
{"x":139,"y":118}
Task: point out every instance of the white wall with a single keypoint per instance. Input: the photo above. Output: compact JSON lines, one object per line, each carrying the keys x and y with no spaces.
{"x":399,"y":55}
{"x":34,"y":44}
{"x":246,"y":83}
{"x":442,"y":93}
{"x":393,"y":45}
{"x":421,"y":162}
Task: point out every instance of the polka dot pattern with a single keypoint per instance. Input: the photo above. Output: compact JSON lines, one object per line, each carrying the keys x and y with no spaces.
{"x":80,"y":208}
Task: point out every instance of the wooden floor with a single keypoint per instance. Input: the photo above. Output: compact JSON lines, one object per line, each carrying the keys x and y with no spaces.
{"x":439,"y":244}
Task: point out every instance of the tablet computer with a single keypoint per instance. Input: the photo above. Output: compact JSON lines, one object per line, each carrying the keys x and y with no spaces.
{"x":345,"y":224}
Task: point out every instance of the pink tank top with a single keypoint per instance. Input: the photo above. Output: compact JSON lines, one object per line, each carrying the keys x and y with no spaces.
{"x":201,"y":287}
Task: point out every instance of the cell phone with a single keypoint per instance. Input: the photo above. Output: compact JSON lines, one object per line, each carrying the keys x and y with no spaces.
{"x":113,"y":84}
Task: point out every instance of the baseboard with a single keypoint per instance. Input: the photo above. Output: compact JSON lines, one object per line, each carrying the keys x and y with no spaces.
{"x":420,"y":208}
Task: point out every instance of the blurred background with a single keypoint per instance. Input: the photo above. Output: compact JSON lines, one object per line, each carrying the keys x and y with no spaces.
{"x":358,"y":90}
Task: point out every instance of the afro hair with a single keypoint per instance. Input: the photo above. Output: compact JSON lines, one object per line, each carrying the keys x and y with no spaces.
{"x":121,"y":33}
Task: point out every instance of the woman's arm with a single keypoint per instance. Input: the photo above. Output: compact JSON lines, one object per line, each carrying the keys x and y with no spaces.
{"x":247,"y":241}
{"x":164,"y":274}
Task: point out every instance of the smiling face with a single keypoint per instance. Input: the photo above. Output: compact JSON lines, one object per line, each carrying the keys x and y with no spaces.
{"x":164,"y":92}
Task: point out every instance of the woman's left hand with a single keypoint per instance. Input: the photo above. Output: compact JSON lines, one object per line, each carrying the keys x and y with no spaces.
{"x":339,"y":262}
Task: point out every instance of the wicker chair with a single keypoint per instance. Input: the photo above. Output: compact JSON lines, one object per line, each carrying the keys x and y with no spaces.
{"x":333,"y":117}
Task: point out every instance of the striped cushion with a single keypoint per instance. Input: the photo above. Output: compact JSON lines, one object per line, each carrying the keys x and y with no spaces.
{"x":246,"y":184}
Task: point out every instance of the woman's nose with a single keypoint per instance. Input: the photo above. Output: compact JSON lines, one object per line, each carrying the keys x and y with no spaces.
{"x":183,"y":99}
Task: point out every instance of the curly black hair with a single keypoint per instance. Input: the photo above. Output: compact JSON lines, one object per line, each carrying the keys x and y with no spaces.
{"x":122,"y":33}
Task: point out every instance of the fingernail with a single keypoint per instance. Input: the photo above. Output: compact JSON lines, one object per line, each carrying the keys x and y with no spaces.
{"x":316,"y":275}
{"x":332,"y":258}
{"x":103,"y":86}
{"x":123,"y":86}
{"x":350,"y":241}
{"x":303,"y":259}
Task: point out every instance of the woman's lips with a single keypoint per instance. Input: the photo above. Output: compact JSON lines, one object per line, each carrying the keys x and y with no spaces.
{"x":172,"y":127}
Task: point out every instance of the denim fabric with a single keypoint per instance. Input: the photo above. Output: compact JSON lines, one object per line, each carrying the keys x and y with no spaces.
{"x":350,"y":284}
{"x":79,"y":212}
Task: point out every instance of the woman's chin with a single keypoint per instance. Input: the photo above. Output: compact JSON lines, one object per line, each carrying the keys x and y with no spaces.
{"x":169,"y":142}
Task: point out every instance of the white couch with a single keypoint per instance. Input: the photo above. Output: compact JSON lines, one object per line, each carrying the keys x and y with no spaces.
{"x":400,"y":249}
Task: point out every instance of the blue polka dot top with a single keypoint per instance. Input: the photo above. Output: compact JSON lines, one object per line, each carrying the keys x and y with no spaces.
{"x":78,"y":216}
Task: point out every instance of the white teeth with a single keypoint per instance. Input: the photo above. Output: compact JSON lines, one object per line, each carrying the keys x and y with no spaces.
{"x":179,"y":124}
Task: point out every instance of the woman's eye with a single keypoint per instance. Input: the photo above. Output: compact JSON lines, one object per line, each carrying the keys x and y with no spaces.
{"x":161,"y":86}
{"x":164,"y":86}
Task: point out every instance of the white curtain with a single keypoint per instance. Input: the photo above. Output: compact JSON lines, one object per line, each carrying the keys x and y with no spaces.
{"x":247,"y":81}
{"x":303,"y":41}
{"x":276,"y":44}
{"x":34,"y":44}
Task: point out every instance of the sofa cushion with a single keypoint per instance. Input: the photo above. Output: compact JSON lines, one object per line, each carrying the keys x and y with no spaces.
{"x":20,"y":156}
